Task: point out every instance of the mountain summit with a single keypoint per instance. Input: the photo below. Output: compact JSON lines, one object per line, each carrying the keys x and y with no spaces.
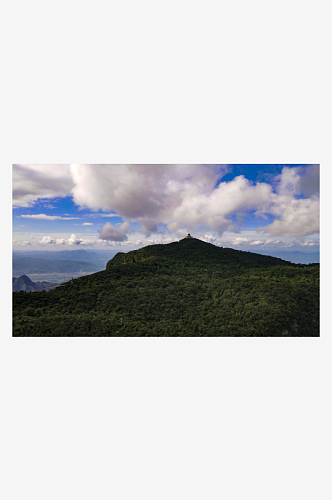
{"x":194,"y":251}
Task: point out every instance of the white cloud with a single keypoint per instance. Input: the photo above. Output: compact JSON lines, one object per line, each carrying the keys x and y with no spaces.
{"x":309,"y":184}
{"x":183,"y":197}
{"x":148,"y":227}
{"x":73,"y":240}
{"x":46,"y":240}
{"x":296,"y":215}
{"x":309,"y":243}
{"x":174,"y":195}
{"x":139,"y":191}
{"x":113,"y":233}
{"x":21,"y":243}
{"x":240,"y":241}
{"x":87,"y":224}
{"x":213,"y":208}
{"x":289,"y":181}
{"x":48,"y":217}
{"x":103,"y":215}
{"x":299,"y":180}
{"x":256,"y":242}
{"x":31,"y":182}
{"x":101,"y":242}
{"x":180,"y":197}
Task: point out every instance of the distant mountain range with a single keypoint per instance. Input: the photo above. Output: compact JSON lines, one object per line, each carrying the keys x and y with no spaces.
{"x":33,"y":265}
{"x":74,"y":255}
{"x":101,"y":257}
{"x":25,"y":283}
{"x":293,"y":256}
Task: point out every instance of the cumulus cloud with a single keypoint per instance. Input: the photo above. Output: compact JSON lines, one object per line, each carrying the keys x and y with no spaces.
{"x":101,"y":242}
{"x":135,"y":191}
{"x":180,"y":197}
{"x":31,"y":182}
{"x":309,"y":183}
{"x":296,"y":215}
{"x":240,"y":241}
{"x":307,"y":243}
{"x":148,"y":227}
{"x":87,"y":224}
{"x":47,"y":240}
{"x":214,"y":208}
{"x":113,"y":233}
{"x":73,"y":240}
{"x":297,"y":218}
{"x":256,"y":242}
{"x":174,"y":195}
{"x":249,"y":242}
{"x":21,"y":243}
{"x":299,"y":180}
{"x":289,"y":182}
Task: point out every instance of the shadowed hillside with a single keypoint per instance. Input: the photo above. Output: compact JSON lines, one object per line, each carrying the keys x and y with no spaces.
{"x":187,"y":288}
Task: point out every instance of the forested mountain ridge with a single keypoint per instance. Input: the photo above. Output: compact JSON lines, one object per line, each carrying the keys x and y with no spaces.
{"x":187,"y":288}
{"x":194,"y":251}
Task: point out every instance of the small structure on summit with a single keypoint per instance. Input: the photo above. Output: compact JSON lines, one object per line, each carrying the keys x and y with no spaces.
{"x":189,"y":236}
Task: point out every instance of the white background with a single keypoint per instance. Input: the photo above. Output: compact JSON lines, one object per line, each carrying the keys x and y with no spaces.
{"x":166,"y":418}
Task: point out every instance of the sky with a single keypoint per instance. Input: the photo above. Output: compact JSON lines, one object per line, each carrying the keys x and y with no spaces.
{"x":124,"y":207}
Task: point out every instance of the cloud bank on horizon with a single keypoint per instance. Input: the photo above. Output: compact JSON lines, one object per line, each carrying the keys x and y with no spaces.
{"x":242,"y":204}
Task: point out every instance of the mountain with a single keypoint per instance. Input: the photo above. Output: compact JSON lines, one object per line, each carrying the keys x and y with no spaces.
{"x":25,"y":283}
{"x":32,"y":265}
{"x":294,"y":256}
{"x":97,"y":257}
{"x":76,"y":255}
{"x":22,"y":283}
{"x":193,"y":251}
{"x":186,"y":288}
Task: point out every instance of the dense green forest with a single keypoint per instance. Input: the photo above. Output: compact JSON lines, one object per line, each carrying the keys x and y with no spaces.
{"x":187,"y":288}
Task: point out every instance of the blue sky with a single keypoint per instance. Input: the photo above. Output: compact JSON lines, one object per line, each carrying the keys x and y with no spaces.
{"x":248,"y":207}
{"x":72,"y":216}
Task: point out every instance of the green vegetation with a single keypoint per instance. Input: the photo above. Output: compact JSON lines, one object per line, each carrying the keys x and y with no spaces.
{"x":188,"y":288}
